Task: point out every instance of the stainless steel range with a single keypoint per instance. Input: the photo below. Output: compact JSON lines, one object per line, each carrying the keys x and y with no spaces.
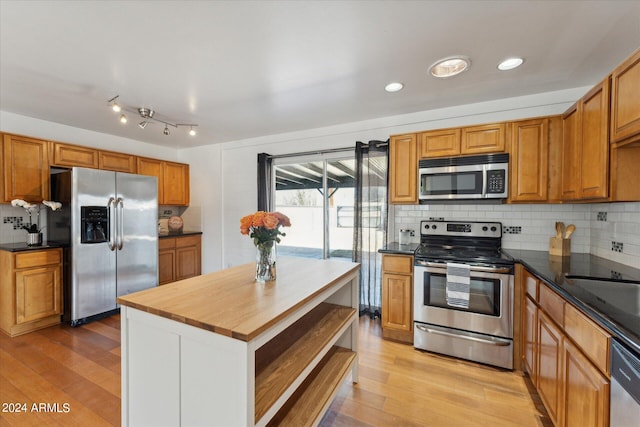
{"x":463,"y":292}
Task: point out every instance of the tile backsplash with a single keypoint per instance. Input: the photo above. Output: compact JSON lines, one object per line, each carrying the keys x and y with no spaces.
{"x":609,"y":230}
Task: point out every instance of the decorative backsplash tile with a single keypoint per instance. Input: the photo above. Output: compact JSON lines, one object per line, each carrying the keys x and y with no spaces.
{"x":602,"y":216}
{"x":17,"y":221}
{"x":515,"y":229}
{"x":617,"y":246}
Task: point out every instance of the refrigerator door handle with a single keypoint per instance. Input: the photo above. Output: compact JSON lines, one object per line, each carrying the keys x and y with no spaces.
{"x":112,"y":222}
{"x":120,"y":211}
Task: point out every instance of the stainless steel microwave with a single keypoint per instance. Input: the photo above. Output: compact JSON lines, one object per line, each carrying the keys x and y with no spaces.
{"x":458,"y":178}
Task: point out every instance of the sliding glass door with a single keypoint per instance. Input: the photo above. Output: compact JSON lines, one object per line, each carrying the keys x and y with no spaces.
{"x":317,"y":194}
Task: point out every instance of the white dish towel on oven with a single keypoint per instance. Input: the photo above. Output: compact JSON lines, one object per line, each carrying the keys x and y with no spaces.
{"x":458,"y":284}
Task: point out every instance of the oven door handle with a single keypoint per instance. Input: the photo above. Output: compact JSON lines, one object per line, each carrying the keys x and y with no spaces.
{"x":473,"y":267}
{"x":466,"y":336}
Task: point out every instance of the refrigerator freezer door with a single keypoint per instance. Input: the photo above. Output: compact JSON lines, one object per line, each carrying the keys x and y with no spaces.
{"x":93,"y":282}
{"x":137,"y":233}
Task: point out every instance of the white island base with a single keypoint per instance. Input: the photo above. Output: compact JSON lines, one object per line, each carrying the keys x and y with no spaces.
{"x":222,"y":350}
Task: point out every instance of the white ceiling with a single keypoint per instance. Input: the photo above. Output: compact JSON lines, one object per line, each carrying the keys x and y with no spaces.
{"x":242,"y":69}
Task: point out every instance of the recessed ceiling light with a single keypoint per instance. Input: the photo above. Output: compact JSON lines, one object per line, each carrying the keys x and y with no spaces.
{"x":449,"y":67}
{"x":394,"y":87}
{"x":510,"y":63}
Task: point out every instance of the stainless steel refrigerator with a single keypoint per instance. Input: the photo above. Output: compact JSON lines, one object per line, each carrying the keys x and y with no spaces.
{"x":108,"y":228}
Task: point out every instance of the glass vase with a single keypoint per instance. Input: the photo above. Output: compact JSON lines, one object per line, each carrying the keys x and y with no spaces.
{"x":265,"y":262}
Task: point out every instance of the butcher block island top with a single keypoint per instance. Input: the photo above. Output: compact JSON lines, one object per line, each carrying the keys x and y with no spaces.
{"x":223,"y":349}
{"x":230,"y":302}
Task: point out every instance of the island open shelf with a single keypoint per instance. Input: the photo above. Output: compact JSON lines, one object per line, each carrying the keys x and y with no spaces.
{"x":221,"y":349}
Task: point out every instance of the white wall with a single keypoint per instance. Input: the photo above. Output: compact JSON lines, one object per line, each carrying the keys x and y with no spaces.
{"x":228,"y":192}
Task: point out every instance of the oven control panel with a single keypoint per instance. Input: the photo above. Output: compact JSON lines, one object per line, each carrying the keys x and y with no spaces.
{"x":461,"y":228}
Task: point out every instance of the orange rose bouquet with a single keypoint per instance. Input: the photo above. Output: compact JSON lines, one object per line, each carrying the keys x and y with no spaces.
{"x":264,"y":227}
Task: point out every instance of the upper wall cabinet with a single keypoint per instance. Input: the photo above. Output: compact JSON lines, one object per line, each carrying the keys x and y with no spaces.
{"x":403,"y":169}
{"x":529,"y":160}
{"x":481,"y":139}
{"x":173,"y":180}
{"x":625,"y":100}
{"x":25,"y":172}
{"x":117,"y":162}
{"x":68,"y":155}
{"x":585,"y":147}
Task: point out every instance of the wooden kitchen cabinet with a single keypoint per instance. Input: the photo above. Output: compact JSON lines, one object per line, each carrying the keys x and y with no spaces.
{"x":173,"y":180}
{"x":586,"y":390}
{"x":30,"y":290}
{"x":566,"y":356}
{"x":530,"y":326}
{"x":481,"y":139}
{"x":625,"y":107}
{"x":118,"y":162}
{"x":179,"y":258}
{"x":529,"y":160}
{"x":489,"y":138}
{"x":403,"y":169}
{"x":438,"y":143}
{"x":397,"y":297}
{"x":25,"y":172}
{"x":68,"y":155}
{"x":550,"y":348}
{"x":585,"y":152}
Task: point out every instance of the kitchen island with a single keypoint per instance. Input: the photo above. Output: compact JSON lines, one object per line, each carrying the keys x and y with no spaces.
{"x":222,"y":349}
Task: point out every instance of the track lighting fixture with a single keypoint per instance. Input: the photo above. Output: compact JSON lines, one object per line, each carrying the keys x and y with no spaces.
{"x":114,"y":105}
{"x":148,"y":116}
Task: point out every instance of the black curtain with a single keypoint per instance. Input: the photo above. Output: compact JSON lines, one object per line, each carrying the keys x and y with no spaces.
{"x":370,"y":221}
{"x":265,"y":193}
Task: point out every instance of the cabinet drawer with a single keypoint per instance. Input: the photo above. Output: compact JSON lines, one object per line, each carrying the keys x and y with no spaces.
{"x":166,"y":243}
{"x":591,"y":339}
{"x":37,"y":258}
{"x":397,"y":264}
{"x":552,"y":304}
{"x":181,"y":242}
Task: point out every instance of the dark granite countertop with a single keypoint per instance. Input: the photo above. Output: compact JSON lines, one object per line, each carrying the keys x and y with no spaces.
{"x":397,"y":248}
{"x":606,"y":291}
{"x":178,"y":234}
{"x":22,"y":247}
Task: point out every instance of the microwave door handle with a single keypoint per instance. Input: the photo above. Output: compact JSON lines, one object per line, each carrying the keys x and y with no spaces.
{"x":484,"y":180}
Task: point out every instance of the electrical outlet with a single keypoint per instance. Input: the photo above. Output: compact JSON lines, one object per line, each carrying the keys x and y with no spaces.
{"x":616,"y":275}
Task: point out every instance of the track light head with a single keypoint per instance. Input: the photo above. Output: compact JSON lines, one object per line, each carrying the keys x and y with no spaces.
{"x":143,"y":124}
{"x":192,"y":131}
{"x":116,"y":107}
{"x":166,"y":130}
{"x":123,"y":119}
{"x":146,"y":113}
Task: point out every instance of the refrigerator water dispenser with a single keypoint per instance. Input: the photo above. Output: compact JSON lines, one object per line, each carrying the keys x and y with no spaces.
{"x":94,"y":224}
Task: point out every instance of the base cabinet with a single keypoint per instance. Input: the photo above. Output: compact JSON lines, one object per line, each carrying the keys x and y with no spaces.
{"x":397,"y":297}
{"x":586,"y":393}
{"x":30,"y":290}
{"x":179,"y":258}
{"x":566,"y":356}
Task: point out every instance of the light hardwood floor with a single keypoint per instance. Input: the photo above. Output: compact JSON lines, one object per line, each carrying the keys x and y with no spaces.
{"x":399,"y":386}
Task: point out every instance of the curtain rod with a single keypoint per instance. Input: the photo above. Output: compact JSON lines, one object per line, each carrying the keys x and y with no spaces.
{"x":331,"y":150}
{"x":306,"y":153}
